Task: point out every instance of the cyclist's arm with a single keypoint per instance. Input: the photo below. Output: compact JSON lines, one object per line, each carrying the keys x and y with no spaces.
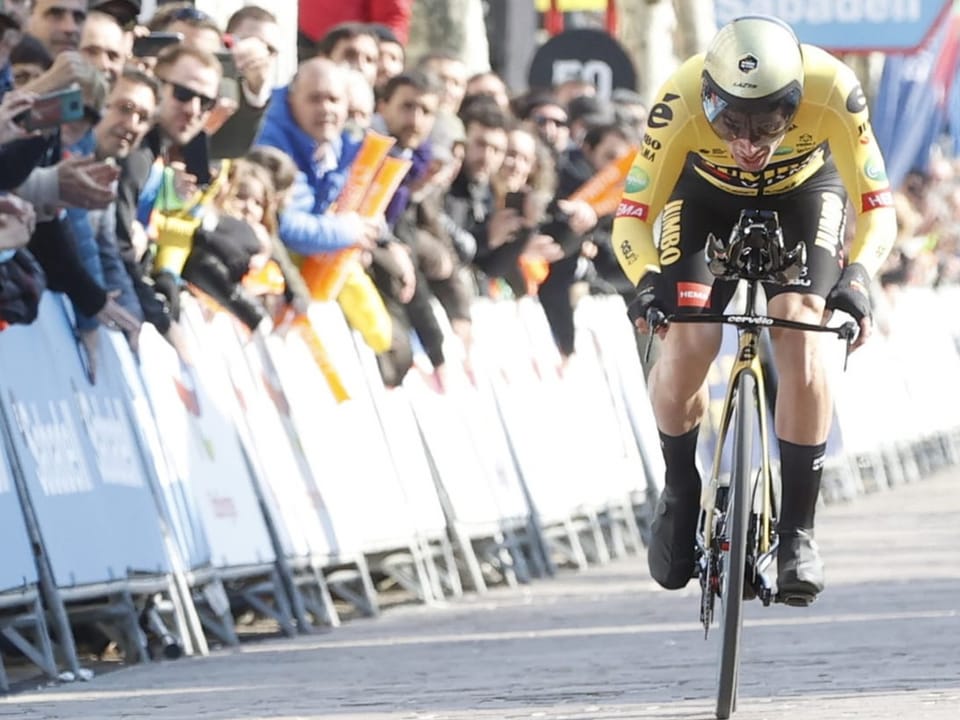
{"x":861,"y":166}
{"x":655,"y":170}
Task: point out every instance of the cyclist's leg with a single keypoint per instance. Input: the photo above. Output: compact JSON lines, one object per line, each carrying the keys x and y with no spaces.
{"x":804,"y":403}
{"x":677,"y":381}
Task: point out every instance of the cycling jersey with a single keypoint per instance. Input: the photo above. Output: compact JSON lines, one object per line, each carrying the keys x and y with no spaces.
{"x":832,"y":122}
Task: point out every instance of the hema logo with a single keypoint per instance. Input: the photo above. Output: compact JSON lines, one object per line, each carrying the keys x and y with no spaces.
{"x":690,"y":294}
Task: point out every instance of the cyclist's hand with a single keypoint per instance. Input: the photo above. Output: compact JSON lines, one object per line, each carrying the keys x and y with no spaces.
{"x":648,"y":296}
{"x":851,"y":295}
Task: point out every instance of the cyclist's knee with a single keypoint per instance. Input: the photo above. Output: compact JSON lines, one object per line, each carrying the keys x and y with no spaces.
{"x":797,"y":354}
{"x":688,"y":350}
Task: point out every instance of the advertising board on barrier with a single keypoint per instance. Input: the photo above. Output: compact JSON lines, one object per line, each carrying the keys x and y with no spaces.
{"x":96,"y":512}
{"x":205,"y":455}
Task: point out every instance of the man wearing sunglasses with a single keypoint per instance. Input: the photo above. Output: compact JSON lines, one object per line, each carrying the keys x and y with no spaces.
{"x":189,"y":81}
{"x":761,"y":122}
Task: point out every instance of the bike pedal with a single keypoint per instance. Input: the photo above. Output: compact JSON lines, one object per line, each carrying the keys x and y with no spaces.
{"x":796,"y":599}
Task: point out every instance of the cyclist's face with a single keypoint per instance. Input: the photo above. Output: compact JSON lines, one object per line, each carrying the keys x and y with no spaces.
{"x":752,"y":156}
{"x":751,"y":139}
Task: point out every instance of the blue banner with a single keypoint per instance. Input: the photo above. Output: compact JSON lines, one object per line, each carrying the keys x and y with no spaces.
{"x":848,"y":25}
{"x":926,"y":84}
{"x":96,"y":512}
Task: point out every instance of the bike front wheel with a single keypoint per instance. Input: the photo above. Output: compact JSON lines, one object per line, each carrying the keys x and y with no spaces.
{"x":734,"y":540}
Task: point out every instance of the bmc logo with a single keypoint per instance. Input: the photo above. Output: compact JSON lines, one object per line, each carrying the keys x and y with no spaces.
{"x":695,"y":295}
{"x":631,"y":209}
{"x":876,"y":199}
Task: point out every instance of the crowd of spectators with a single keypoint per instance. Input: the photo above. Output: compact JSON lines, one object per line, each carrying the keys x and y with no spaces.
{"x":188,"y":170}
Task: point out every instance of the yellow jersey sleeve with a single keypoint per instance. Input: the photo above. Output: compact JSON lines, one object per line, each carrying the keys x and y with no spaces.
{"x":655,"y":171}
{"x":846,"y":123}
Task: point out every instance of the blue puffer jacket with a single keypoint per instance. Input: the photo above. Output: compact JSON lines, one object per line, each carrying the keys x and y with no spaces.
{"x":304,"y":227}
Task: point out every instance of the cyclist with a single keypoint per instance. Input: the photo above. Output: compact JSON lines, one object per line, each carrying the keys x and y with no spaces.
{"x":758,"y":121}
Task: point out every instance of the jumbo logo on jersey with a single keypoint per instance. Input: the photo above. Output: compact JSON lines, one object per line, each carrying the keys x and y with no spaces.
{"x":631,"y":209}
{"x":748,"y":63}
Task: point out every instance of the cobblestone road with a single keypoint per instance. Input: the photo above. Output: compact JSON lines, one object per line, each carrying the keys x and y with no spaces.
{"x":882,"y":643}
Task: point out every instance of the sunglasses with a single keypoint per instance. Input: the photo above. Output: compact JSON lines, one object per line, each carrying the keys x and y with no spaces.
{"x":543,"y":120}
{"x":189,"y":14}
{"x":183,"y":94}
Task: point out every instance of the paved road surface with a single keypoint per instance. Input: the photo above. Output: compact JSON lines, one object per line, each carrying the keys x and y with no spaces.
{"x":883,"y":643}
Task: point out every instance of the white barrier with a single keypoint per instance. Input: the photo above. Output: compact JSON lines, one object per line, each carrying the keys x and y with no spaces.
{"x":265,"y":480}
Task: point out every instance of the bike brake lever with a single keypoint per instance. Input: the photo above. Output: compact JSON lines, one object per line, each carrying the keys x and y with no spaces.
{"x":849,"y":332}
{"x":655,"y":320}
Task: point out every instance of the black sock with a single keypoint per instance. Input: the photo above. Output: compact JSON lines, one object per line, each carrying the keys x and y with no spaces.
{"x":801,"y":467}
{"x":680,"y":457}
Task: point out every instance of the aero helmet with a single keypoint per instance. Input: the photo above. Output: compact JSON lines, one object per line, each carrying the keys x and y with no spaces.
{"x":752,"y":79}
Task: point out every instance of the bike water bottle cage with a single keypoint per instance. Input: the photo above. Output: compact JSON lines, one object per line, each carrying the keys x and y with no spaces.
{"x":755,"y":251}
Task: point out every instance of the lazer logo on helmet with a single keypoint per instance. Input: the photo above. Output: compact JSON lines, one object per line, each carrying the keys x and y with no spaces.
{"x":690,"y":294}
{"x":631,"y":209}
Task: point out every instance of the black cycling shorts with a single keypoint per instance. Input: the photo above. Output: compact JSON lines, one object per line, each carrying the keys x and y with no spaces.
{"x":814,"y":213}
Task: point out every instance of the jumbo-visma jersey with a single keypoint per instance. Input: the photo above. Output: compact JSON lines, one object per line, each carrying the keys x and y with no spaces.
{"x":832,"y":121}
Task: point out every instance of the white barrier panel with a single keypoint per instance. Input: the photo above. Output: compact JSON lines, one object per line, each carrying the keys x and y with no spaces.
{"x":454,"y":445}
{"x":926,"y":355}
{"x":343,"y":442}
{"x":305,"y":529}
{"x":17,"y":569}
{"x":213,"y":484}
{"x":96,"y":512}
{"x":175,"y":493}
{"x":406,"y":447}
{"x":600,"y":470}
{"x":535,"y":416}
{"x":618,"y":352}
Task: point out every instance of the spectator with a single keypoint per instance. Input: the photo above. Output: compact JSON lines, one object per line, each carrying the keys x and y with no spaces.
{"x":57,"y":24}
{"x":18,"y":11}
{"x":190,"y":78}
{"x":306,"y":121}
{"x":471,"y":202}
{"x":12,"y":20}
{"x":361,"y":102}
{"x":442,"y":248}
{"x":283,"y":174}
{"x":392,"y":55}
{"x":28,"y":61}
{"x":127,"y":116}
{"x":103,"y":42}
{"x":630,"y":109}
{"x":199,"y":29}
{"x":407,"y":111}
{"x":318,"y":16}
{"x":256,"y":43}
{"x":233,"y":239}
{"x":550,"y":120}
{"x":355,"y":45}
{"x":125,"y":12}
{"x":452,"y":74}
{"x":570,"y":223}
{"x":491,"y":85}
